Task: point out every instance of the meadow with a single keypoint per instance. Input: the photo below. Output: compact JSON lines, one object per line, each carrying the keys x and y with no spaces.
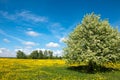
{"x":46,"y":69}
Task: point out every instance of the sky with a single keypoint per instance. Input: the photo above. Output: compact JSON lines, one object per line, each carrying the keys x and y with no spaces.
{"x":29,"y":25}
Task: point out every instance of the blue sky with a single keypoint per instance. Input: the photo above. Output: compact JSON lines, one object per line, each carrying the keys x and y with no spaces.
{"x":43,"y":24}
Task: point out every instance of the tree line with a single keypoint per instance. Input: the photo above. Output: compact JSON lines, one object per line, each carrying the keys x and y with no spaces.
{"x":37,"y":54}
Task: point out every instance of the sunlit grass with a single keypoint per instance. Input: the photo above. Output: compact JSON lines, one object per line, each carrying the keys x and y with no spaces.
{"x":46,"y":69}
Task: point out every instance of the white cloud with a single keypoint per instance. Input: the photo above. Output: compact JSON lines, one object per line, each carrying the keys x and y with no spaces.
{"x":29,"y":16}
{"x":24,"y":15}
{"x":58,"y":27}
{"x":32,"y":33}
{"x":62,"y":39}
{"x":6,"y":40}
{"x":29,"y":43}
{"x":52,"y":45}
{"x":4,"y":52}
{"x":40,"y":49}
{"x":26,"y":50}
{"x":26,"y":43}
{"x":58,"y":52}
{"x":10,"y":36}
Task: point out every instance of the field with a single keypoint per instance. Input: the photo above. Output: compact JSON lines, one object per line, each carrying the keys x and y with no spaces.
{"x":29,"y":69}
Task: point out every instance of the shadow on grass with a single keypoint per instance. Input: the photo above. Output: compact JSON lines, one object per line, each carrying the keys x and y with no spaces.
{"x":85,"y":69}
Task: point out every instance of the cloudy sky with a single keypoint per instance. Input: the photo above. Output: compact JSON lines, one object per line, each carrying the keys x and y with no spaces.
{"x":43,"y":24}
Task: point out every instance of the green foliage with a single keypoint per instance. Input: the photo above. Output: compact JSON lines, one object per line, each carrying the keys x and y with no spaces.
{"x":34,"y":54}
{"x":93,"y":41}
{"x":37,"y":54}
{"x":45,"y":54}
{"x":40,"y":54}
{"x":50,"y":54}
{"x":21,"y":55}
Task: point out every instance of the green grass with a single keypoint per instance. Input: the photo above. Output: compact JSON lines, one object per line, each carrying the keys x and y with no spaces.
{"x":17,"y":69}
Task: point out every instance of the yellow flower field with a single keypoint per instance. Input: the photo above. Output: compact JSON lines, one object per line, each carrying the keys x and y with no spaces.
{"x":46,"y":69}
{"x":13,"y":69}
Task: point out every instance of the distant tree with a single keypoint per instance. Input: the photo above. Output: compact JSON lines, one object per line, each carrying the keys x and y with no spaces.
{"x":93,"y":42}
{"x":50,"y":54}
{"x":40,"y":54}
{"x":34,"y":54}
{"x":45,"y":54}
{"x":21,"y":55}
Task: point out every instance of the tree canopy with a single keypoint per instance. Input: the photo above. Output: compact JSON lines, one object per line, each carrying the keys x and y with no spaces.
{"x":37,"y":54}
{"x":93,"y":41}
{"x":21,"y":55}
